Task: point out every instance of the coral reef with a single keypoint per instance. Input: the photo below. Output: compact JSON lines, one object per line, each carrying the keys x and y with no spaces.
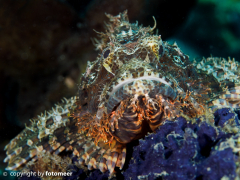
{"x":183,"y":150}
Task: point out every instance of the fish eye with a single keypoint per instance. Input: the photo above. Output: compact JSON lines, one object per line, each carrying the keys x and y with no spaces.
{"x":106,"y":53}
{"x":161,"y":50}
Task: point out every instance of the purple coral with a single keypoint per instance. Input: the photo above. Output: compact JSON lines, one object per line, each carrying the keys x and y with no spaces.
{"x":222,"y":116}
{"x":182,"y":150}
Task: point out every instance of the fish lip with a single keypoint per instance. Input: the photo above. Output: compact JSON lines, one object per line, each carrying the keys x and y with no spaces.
{"x":115,"y":88}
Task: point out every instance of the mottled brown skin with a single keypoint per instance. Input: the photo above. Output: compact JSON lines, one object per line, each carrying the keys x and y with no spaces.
{"x":137,"y":82}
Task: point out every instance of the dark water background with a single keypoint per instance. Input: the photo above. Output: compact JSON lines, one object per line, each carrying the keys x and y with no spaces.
{"x":45,"y":44}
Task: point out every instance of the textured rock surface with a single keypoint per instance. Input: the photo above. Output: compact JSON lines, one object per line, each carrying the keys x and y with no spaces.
{"x":183,"y":150}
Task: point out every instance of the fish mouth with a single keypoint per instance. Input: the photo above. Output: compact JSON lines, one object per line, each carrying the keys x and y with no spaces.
{"x":128,"y":81}
{"x":133,"y":118}
{"x":139,"y":105}
{"x":146,"y":86}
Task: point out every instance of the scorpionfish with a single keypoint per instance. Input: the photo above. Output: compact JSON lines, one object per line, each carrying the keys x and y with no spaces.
{"x":135,"y":84}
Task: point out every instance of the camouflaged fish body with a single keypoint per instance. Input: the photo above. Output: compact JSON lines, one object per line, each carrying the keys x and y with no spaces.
{"x":137,"y":82}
